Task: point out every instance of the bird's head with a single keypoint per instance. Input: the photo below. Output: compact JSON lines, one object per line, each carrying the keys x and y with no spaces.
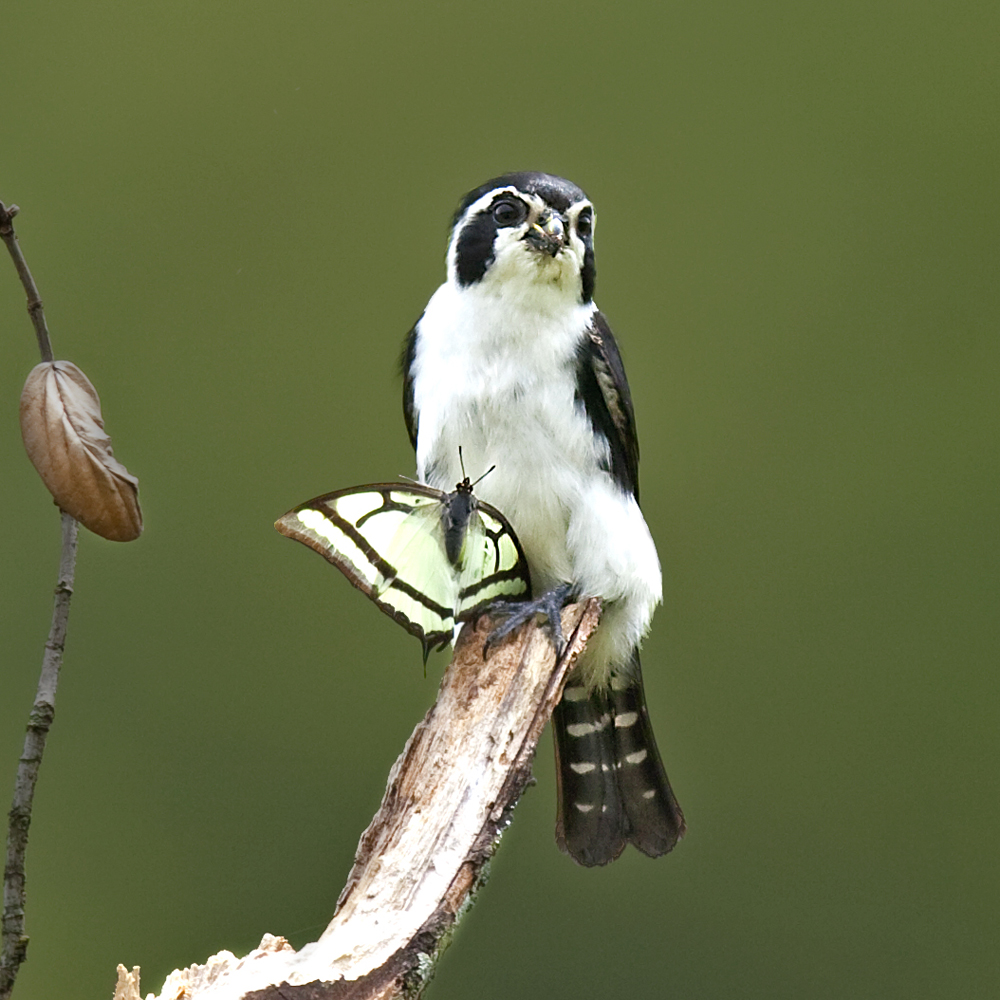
{"x":525,"y":231}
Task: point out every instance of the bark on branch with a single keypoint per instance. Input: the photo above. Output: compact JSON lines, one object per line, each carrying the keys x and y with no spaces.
{"x":14,"y":946}
{"x":448,"y":800}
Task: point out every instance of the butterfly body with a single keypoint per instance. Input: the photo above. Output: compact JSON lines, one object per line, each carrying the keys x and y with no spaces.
{"x":459,"y":508}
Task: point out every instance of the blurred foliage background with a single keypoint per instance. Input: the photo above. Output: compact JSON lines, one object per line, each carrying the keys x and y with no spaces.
{"x":235,"y":211}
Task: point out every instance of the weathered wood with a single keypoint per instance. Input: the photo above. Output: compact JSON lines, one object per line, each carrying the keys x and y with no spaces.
{"x":448,"y":800}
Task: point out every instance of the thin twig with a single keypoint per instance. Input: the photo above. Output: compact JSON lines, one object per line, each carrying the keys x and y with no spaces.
{"x":15,"y":942}
{"x":35,"y":310}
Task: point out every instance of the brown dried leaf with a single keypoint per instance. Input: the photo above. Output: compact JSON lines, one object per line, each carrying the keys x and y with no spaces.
{"x":65,"y":439}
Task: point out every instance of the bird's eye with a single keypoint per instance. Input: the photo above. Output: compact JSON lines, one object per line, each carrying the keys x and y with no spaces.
{"x":585,"y":222}
{"x":509,"y":212}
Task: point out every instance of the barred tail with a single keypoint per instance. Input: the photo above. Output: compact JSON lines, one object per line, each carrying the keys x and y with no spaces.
{"x":613,"y":789}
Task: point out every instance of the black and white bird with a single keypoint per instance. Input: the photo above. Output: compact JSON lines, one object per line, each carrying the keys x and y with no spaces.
{"x":513,"y":363}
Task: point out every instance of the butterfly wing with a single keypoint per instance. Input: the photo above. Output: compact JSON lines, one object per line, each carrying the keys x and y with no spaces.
{"x":387,"y":539}
{"x":493,"y":566}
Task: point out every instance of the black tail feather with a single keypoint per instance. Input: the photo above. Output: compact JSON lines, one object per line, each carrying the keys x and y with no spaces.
{"x":613,"y":788}
{"x":654,"y":820}
{"x":590,"y":823}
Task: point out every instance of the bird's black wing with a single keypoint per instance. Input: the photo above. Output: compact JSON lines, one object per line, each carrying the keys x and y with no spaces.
{"x":603,"y":390}
{"x":406,"y":367}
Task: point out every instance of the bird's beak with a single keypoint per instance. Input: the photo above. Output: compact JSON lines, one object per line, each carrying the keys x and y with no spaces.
{"x":548,"y":234}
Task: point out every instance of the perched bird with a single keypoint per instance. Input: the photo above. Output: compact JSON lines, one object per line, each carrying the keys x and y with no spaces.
{"x":513,"y":363}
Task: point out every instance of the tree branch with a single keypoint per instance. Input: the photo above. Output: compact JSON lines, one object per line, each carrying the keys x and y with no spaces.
{"x":35,"y":310}
{"x":418,"y":865}
{"x":15,"y":942}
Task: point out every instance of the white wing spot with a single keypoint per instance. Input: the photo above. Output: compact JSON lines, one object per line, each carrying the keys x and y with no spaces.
{"x":619,"y":683}
{"x":575,"y":694}
{"x":584,"y":768}
{"x":649,"y":794}
{"x":354,"y":506}
{"x":580,"y":729}
{"x":636,"y":758}
{"x":319,"y":523}
{"x":583,"y":806}
{"x":626,"y":719}
{"x":341,"y":545}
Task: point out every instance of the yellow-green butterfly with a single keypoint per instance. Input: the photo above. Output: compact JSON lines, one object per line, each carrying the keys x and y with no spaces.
{"x":427,"y":558}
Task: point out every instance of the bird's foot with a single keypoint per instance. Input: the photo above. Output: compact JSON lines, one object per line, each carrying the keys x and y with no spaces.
{"x":516,"y":613}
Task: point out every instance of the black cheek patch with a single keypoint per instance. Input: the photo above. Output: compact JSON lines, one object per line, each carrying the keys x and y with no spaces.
{"x":588,"y":274}
{"x":474,"y":250}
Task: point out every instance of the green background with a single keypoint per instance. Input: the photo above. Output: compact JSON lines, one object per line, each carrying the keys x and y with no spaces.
{"x":235,"y":211}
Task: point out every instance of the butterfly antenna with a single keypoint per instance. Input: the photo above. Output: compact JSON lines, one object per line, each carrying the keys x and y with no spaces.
{"x":484,"y":475}
{"x":465,"y":484}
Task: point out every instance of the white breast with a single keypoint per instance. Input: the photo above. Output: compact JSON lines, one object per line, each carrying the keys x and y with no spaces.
{"x":498,"y":380}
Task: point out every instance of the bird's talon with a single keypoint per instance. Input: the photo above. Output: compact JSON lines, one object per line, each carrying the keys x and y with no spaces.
{"x":517,"y":613}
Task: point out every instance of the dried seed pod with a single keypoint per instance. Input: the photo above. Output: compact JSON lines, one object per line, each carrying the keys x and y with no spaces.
{"x":65,"y":439}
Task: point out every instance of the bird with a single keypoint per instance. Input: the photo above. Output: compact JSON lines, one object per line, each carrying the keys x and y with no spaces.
{"x":512,"y":363}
